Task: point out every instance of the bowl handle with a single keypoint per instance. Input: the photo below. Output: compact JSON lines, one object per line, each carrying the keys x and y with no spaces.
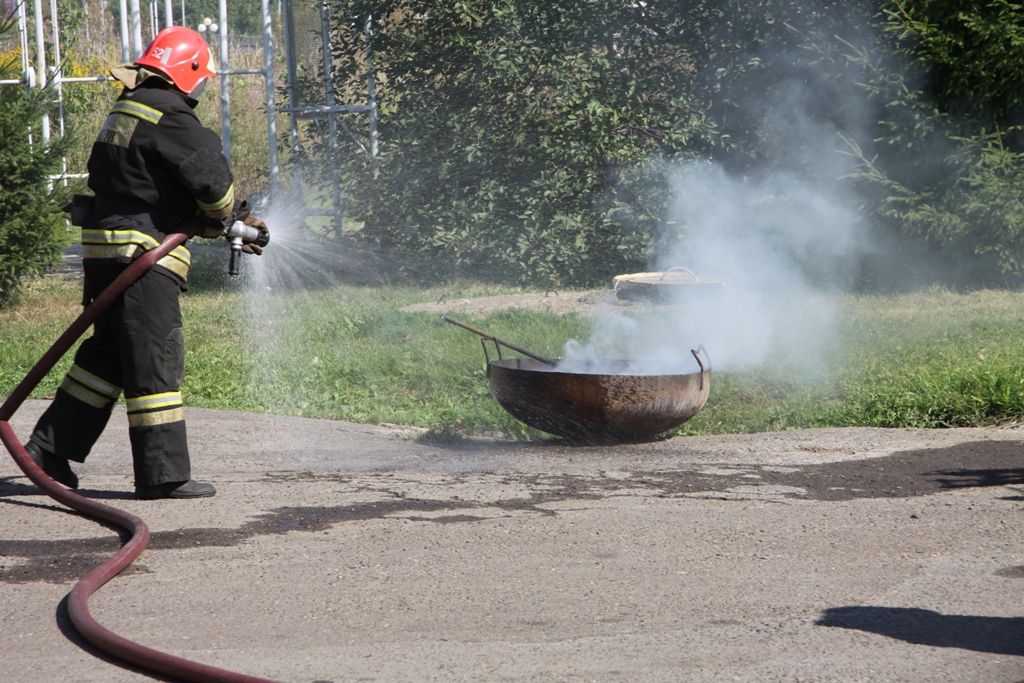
{"x":487,"y":356}
{"x":697,"y":354}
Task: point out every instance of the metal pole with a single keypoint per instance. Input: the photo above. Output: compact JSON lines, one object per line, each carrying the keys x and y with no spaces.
{"x":371,"y":95}
{"x":332,"y":117}
{"x":136,"y":35}
{"x":58,"y":66}
{"x":268,"y":76}
{"x":26,"y":67}
{"x":125,"y":52}
{"x":41,"y":76}
{"x":103,"y":16}
{"x":225,"y":85}
{"x":58,"y":77}
{"x":27,"y":77}
{"x":289,"y":31}
{"x":169,"y":13}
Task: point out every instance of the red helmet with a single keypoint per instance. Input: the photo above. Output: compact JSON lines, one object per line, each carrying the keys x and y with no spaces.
{"x":182,"y":55}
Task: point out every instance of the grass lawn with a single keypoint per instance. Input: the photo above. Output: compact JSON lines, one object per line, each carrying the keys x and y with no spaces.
{"x":928,"y":359}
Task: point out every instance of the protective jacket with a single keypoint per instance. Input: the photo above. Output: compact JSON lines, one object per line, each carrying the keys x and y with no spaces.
{"x":153,"y":165}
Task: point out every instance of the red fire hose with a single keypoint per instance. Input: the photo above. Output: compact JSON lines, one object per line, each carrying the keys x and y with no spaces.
{"x":78,"y":599}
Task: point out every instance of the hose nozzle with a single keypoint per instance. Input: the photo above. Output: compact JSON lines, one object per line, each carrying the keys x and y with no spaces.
{"x":238,"y":234}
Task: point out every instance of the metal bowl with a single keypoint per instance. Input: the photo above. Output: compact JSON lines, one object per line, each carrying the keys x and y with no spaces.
{"x":601,"y":407}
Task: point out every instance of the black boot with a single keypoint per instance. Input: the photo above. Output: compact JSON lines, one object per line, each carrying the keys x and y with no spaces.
{"x":176,"y":489}
{"x":54,"y":465}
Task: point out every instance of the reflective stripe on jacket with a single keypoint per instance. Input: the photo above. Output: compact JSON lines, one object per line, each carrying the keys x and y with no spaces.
{"x":121,"y":246}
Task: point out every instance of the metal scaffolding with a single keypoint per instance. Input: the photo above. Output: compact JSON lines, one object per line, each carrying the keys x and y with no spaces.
{"x":39,"y":43}
{"x":329,"y":108}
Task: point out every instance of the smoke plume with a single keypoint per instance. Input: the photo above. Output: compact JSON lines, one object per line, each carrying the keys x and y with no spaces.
{"x":785,"y":240}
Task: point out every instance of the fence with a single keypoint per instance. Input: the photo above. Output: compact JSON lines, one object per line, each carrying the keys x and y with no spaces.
{"x":38,"y":40}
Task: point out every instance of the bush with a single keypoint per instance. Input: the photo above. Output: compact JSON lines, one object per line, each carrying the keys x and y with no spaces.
{"x":946,"y":161}
{"x":519,"y":141}
{"x":32,"y":226}
{"x":525,"y":141}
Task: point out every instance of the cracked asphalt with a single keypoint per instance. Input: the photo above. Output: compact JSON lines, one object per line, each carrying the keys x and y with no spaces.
{"x":338,"y":552}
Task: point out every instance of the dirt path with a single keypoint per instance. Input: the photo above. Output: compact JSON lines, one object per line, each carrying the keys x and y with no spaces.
{"x":337,"y":552}
{"x":587,"y":302}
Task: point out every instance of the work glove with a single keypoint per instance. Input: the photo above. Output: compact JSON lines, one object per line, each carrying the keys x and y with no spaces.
{"x":252,"y":221}
{"x":241,"y":210}
{"x":209,"y":228}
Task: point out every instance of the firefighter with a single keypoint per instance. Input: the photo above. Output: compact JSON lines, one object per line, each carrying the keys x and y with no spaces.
{"x":153,"y":166}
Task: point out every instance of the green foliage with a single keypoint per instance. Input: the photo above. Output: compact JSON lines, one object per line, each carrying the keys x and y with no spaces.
{"x":516,"y":137}
{"x":767,"y":65}
{"x":971,"y":54}
{"x":975,"y":217}
{"x":527,"y":141}
{"x":947,"y":158}
{"x":32,"y":227}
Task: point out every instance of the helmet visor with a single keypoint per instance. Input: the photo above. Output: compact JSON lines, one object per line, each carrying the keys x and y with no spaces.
{"x":197,"y":91}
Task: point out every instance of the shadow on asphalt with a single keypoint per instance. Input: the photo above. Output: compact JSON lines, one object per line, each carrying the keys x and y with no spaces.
{"x":997,"y":635}
{"x":972,"y":478}
{"x":17,"y":486}
{"x":903,"y":474}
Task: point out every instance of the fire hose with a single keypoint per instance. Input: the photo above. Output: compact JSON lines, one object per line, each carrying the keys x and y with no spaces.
{"x":78,"y":600}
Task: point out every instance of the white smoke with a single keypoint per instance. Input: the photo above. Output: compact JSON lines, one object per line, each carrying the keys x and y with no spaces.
{"x":785,"y":242}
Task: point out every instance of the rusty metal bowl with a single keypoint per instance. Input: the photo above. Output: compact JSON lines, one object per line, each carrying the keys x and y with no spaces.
{"x":613,"y":405}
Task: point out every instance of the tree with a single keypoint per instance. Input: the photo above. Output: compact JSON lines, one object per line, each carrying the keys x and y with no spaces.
{"x":532,"y":139}
{"x":528,"y":140}
{"x":522,"y":140}
{"x":947,"y":160}
{"x":32,"y":226}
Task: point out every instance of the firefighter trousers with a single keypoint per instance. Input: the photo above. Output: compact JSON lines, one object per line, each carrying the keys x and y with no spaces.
{"x":137,"y":347}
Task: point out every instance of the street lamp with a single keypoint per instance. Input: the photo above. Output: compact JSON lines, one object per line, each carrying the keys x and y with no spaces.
{"x":208,"y":24}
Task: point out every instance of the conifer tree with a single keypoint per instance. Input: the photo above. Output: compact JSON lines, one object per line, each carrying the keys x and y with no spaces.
{"x":33,"y":229}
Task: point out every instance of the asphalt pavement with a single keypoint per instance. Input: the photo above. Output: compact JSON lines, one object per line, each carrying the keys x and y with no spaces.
{"x":342,"y":552}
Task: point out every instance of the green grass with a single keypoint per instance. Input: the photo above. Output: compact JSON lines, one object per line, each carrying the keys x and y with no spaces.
{"x":931,"y":359}
{"x":350,"y":354}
